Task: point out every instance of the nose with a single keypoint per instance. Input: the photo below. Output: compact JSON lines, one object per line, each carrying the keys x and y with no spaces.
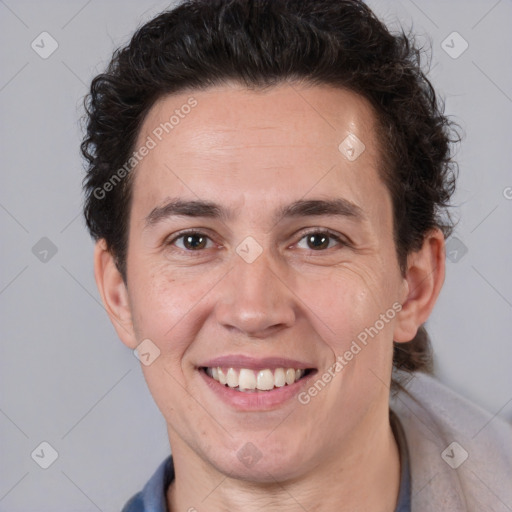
{"x":255,"y":299}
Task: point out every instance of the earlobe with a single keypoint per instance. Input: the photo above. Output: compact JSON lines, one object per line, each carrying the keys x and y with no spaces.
{"x":424,"y":280}
{"x":114,"y":293}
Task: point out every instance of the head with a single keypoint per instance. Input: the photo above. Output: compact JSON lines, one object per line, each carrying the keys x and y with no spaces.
{"x":269,"y":178}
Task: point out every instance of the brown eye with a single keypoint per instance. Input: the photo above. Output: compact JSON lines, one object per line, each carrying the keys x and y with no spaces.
{"x":318,"y":241}
{"x":194,"y":242}
{"x":191,"y":241}
{"x":321,"y":240}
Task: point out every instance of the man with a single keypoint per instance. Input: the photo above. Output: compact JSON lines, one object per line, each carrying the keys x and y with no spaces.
{"x":267,"y":185}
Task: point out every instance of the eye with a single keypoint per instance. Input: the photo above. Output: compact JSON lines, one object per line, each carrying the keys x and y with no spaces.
{"x":192,"y":241}
{"x":320,"y":240}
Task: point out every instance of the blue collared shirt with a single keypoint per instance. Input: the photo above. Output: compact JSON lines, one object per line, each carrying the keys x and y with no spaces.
{"x":153,"y":497}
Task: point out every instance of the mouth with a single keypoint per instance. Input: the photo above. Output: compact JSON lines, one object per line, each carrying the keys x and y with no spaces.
{"x":249,"y":384}
{"x":249,"y":380}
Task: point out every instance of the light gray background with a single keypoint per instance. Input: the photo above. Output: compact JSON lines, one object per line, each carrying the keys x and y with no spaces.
{"x":67,"y":379}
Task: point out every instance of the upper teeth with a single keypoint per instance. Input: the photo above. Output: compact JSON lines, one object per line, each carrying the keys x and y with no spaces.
{"x":263,"y":380}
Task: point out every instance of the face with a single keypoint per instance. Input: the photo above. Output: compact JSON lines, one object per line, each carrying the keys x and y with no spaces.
{"x":261,"y":251}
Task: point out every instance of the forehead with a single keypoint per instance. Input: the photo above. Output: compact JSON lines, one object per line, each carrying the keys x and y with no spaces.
{"x":261,"y":144}
{"x":314,"y":116}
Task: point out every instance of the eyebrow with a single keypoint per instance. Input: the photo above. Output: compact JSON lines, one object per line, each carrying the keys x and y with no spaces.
{"x":175,"y":207}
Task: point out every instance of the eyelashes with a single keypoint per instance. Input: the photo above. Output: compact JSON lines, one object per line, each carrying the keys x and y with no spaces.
{"x":187,"y":235}
{"x":326,"y":235}
{"x":199,"y":241}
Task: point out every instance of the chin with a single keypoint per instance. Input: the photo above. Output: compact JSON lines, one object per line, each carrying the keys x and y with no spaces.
{"x":260,"y":466}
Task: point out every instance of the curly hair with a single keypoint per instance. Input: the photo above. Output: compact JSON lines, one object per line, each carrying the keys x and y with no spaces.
{"x":259,"y":44}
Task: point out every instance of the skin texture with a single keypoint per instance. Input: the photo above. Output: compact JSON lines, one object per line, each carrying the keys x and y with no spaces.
{"x":253,"y":152}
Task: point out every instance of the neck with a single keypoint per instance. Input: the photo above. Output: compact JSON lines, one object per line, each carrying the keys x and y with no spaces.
{"x":363,"y":475}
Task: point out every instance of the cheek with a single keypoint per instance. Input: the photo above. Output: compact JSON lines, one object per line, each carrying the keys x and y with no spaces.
{"x":161,"y":303}
{"x":348,"y":308}
{"x":172,"y":304}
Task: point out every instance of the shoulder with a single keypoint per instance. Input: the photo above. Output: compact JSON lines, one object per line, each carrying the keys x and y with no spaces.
{"x":134,"y":504}
{"x":461,"y":455}
{"x":152,"y":498}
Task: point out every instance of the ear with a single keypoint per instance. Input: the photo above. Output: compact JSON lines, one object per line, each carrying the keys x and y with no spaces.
{"x":423,"y":282}
{"x":114,"y":293}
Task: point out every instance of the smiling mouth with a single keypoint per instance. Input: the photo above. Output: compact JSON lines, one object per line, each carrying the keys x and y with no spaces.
{"x":247,"y":380}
